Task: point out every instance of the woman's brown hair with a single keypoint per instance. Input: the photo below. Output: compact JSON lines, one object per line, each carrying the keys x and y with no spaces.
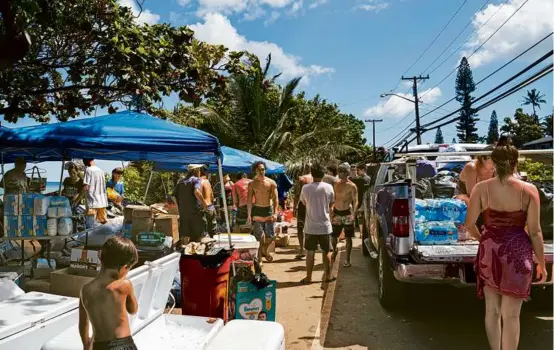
{"x":505,"y":156}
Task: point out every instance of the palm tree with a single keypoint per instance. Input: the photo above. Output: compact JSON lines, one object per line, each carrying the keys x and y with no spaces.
{"x":259,"y":120}
{"x":535,"y":99}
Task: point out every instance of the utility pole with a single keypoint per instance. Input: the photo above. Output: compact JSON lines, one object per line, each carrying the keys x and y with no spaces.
{"x":373,"y":121}
{"x":418,"y":129}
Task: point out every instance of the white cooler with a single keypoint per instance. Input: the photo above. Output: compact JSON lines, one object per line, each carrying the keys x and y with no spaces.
{"x":244,"y":243}
{"x":151,"y":329}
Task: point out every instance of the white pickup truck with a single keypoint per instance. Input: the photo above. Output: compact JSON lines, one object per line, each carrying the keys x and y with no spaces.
{"x":388,"y":233}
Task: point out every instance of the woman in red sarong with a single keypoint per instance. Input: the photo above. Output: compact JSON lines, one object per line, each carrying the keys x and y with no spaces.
{"x":504,"y":264}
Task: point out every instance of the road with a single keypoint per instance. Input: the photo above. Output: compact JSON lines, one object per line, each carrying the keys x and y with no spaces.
{"x":347,"y":314}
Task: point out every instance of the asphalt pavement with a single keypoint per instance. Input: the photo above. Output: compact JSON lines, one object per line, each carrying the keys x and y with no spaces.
{"x":346,"y":314}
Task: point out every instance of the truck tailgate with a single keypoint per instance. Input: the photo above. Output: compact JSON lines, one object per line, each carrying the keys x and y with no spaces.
{"x":463,"y":252}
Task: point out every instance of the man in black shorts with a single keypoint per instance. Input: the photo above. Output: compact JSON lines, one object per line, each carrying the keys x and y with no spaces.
{"x":318,"y":197}
{"x":343,"y":216}
{"x":305,"y":179}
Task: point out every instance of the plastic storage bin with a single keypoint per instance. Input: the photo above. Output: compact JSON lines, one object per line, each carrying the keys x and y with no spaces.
{"x":205,"y":284}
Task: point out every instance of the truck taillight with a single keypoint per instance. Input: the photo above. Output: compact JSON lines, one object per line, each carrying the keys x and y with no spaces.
{"x":400,"y":218}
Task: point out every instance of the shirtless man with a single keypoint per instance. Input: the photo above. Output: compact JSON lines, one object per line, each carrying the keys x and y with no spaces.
{"x":240,"y":199}
{"x":263,"y":214}
{"x":305,"y":179}
{"x":107,"y":299}
{"x":344,"y":212}
{"x":208,"y":194}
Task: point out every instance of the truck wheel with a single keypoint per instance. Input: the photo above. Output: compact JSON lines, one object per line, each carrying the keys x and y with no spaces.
{"x":391,"y":292}
{"x":365,"y":234}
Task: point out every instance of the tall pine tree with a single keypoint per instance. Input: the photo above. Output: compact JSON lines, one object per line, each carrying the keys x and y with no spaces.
{"x":467,"y":131}
{"x":438,"y":137}
{"x":492,"y":135}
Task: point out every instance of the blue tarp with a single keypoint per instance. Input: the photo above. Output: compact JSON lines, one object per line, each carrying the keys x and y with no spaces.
{"x":234,"y":161}
{"x":125,"y":135}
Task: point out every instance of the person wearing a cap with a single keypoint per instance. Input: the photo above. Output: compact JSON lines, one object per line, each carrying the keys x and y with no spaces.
{"x":344,"y":211}
{"x":191,"y":205}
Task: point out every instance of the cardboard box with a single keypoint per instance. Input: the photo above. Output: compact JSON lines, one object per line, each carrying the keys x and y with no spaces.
{"x":168,"y":225}
{"x":128,"y":213}
{"x":142,"y":224}
{"x":68,"y":282}
{"x":84,"y":259}
{"x":142,"y":212}
{"x":42,"y":273}
{"x":38,"y":285}
{"x":27,"y":266}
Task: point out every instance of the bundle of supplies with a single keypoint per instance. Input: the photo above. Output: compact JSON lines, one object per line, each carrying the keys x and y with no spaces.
{"x":25,"y":215}
{"x":439,"y":221}
{"x":59,"y":217}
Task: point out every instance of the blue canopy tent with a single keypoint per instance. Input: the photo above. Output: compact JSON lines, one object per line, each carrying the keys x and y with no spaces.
{"x":125,"y":136}
{"x":234,"y":161}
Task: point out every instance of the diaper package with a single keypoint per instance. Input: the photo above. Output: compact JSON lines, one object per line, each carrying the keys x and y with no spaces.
{"x":34,"y":226}
{"x":65,"y":226}
{"x":12,"y":204}
{"x":12,"y":226}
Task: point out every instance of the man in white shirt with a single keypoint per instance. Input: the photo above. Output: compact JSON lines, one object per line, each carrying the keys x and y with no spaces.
{"x":96,"y":196}
{"x":318,"y":197}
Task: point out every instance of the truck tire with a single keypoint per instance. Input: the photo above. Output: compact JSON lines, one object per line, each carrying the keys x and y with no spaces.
{"x":391,"y":292}
{"x":365,"y":234}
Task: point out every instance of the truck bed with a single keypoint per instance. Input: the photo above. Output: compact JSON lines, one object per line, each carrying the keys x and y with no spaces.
{"x":463,"y":252}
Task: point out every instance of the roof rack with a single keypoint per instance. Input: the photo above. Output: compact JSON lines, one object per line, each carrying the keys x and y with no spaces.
{"x":471,"y":153}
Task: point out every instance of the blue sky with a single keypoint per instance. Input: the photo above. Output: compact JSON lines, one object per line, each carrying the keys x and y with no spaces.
{"x":351,"y":51}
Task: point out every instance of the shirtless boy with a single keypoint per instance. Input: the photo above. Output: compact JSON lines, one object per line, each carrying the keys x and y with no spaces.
{"x":263,"y":214}
{"x":208,"y":194}
{"x":107,"y":299}
{"x":305,"y":179}
{"x":344,"y":212}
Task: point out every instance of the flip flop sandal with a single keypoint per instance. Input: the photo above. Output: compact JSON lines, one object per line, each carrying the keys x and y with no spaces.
{"x":346,"y":264}
{"x":300,"y":256}
{"x":331,"y":279}
{"x":305,"y":281}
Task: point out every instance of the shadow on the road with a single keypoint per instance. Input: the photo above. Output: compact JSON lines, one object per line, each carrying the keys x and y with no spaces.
{"x":317,"y":267}
{"x":288,"y":251}
{"x":284,"y":261}
{"x":436,"y":317}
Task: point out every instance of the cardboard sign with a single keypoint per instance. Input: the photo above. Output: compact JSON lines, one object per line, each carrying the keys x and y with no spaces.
{"x":256,"y":304}
{"x":84,"y":259}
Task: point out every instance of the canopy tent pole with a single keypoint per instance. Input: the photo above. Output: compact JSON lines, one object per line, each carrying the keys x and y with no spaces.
{"x":61,"y":179}
{"x":148,"y":185}
{"x":225,"y":209}
{"x":2,"y":155}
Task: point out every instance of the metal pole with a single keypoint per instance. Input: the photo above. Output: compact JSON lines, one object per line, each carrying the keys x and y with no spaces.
{"x":418,"y":128}
{"x":61,"y":179}
{"x":148,"y":186}
{"x":225,"y":209}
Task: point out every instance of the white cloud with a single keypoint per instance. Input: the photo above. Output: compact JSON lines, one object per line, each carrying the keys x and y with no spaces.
{"x":276,"y":3}
{"x":272,"y":18}
{"x":373,"y":6}
{"x":397,"y":107}
{"x":183,"y":2}
{"x":297,"y":6}
{"x":217,"y":29}
{"x":144,"y":16}
{"x":531,"y":23}
{"x":317,"y":3}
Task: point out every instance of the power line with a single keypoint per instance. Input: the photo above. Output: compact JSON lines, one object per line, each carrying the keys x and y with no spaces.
{"x":544,"y":57}
{"x":484,"y":42}
{"x":457,"y":36}
{"x":436,"y":37}
{"x":535,"y":77}
{"x":496,"y":71}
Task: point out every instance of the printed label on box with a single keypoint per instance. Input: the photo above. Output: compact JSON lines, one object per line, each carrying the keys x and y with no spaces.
{"x":255,"y":304}
{"x":84,"y":259}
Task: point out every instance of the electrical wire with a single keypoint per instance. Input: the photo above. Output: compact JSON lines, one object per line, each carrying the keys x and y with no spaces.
{"x":437,"y":36}
{"x":484,"y":42}
{"x":476,"y":84}
{"x":456,"y":38}
{"x":537,"y":76}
